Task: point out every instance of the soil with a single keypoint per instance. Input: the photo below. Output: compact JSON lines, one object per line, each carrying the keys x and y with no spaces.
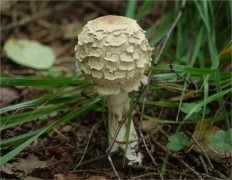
{"x":56,"y":154}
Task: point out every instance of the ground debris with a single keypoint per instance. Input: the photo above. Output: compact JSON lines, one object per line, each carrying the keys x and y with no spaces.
{"x":24,"y":166}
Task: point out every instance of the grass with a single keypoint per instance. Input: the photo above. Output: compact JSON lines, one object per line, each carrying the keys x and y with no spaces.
{"x":199,"y":50}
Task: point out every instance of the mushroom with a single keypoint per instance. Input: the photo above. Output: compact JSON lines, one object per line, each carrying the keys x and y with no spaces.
{"x":112,"y":52}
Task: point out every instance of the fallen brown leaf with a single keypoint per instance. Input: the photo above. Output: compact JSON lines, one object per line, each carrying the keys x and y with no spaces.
{"x":202,"y":146}
{"x":24,"y":166}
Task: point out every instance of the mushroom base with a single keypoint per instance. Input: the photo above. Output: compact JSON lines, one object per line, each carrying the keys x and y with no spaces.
{"x":118,"y":106}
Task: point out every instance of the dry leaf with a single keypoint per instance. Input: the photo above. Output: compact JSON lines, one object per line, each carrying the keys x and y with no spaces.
{"x":59,"y":177}
{"x":29,"y":164}
{"x":69,"y":30}
{"x":7,"y":95}
{"x":203,"y":146}
{"x":96,"y":178}
{"x":23,"y":167}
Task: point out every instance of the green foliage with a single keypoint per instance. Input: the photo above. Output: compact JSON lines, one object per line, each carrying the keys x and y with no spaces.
{"x":186,"y":108}
{"x":29,"y":53}
{"x":91,"y":104}
{"x":177,"y":141}
{"x":221,"y":140}
{"x":229,"y":178}
{"x":64,"y":99}
{"x":52,"y":72}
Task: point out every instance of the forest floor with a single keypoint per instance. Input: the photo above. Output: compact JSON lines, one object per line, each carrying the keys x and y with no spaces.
{"x":56,"y":154}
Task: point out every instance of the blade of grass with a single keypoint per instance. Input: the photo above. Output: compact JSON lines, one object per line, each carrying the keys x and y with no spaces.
{"x":144,"y":9}
{"x":162,"y":104}
{"x":130,"y":8}
{"x":17,"y":119}
{"x":206,"y":101}
{"x":213,"y":54}
{"x":37,"y":102}
{"x":87,"y":107}
{"x":52,"y":98}
{"x":184,"y":69}
{"x":9,"y":81}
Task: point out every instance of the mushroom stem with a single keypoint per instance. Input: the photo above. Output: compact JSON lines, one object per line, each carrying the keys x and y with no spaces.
{"x":118,"y":106}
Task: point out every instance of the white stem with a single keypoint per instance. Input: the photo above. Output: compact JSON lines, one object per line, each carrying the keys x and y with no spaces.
{"x":118,"y":105}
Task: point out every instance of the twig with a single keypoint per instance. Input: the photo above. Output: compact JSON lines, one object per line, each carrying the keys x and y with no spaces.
{"x":87,"y":145}
{"x":112,"y":165}
{"x":165,"y":40}
{"x":201,"y":149}
{"x":188,"y":167}
{"x":141,"y":134}
{"x":125,"y":117}
{"x":174,"y":155}
{"x":98,"y":158}
{"x":142,"y":137}
{"x":145,"y":176}
{"x":33,"y":17}
{"x":143,"y":87}
{"x":204,"y":164}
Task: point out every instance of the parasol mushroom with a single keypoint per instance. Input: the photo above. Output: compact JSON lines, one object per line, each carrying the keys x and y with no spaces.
{"x":112,"y":52}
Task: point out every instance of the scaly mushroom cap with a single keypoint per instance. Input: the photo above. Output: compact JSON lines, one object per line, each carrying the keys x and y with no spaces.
{"x":113,"y":53}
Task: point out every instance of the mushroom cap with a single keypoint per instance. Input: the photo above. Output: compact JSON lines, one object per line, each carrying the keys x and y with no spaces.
{"x":113,"y":53}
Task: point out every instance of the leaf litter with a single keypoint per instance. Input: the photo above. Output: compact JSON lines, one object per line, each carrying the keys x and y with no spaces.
{"x":24,"y":166}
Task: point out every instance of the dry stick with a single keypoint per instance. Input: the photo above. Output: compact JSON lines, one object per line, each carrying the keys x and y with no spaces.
{"x":204,"y":164}
{"x":96,"y":159}
{"x":87,"y":145}
{"x":180,"y":160}
{"x":143,"y":87}
{"x":207,"y":157}
{"x":170,"y":31}
{"x":188,"y":167}
{"x":112,"y":165}
{"x":120,"y":123}
{"x":141,"y":134}
{"x":142,"y":137}
{"x":33,"y":17}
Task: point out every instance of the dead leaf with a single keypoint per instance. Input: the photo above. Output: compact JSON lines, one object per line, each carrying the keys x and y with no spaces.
{"x":66,"y":128}
{"x":29,"y":164}
{"x":7,"y":95}
{"x":24,"y":166}
{"x":150,"y":126}
{"x":96,"y":178}
{"x":202,"y":146}
{"x":59,"y":177}
{"x":69,"y":30}
{"x":72,"y":176}
{"x":31,"y":178}
{"x":7,"y":168}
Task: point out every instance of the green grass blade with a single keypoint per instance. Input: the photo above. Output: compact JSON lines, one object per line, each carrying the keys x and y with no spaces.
{"x":17,"y":119}
{"x":130,"y":9}
{"x":144,"y":9}
{"x":221,"y":100}
{"x":162,"y":104}
{"x":88,"y":106}
{"x":9,"y":81}
{"x":184,"y":69}
{"x":37,"y":102}
{"x":212,"y":98}
{"x":53,"y":98}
